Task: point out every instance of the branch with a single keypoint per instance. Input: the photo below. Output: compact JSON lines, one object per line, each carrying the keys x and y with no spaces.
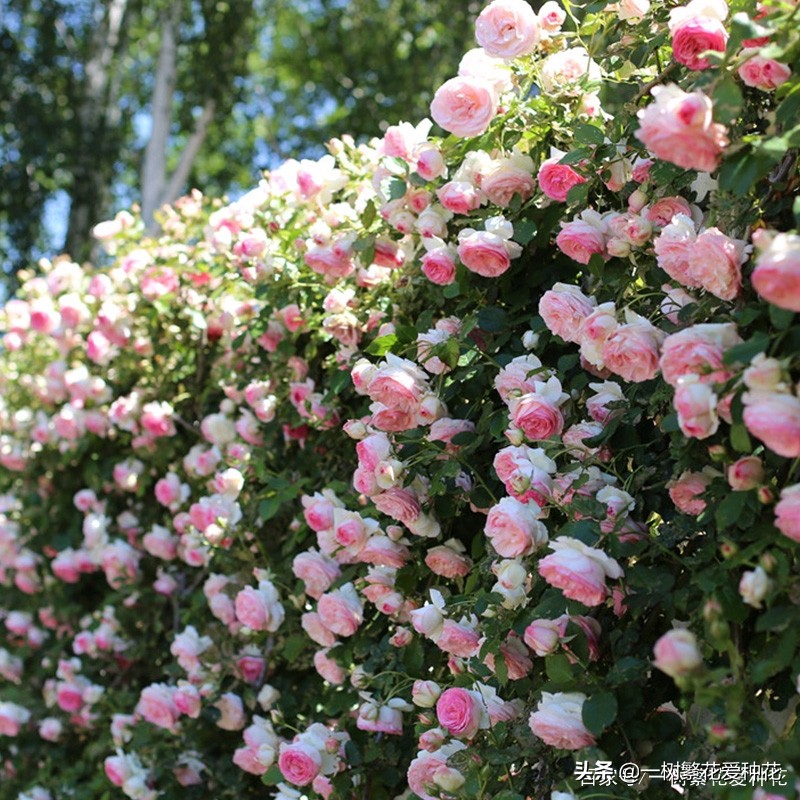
{"x":181,"y":174}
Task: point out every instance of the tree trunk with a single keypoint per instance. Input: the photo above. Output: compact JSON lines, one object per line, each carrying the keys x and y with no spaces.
{"x":98,"y":111}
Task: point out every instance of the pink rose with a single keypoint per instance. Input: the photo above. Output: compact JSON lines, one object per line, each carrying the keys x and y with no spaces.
{"x":507,"y":28}
{"x":686,"y":492}
{"x":776,"y":277}
{"x":696,"y":405}
{"x":578,"y":570}
{"x":464,"y":106}
{"x":313,"y":625}
{"x":774,"y":418}
{"x":632,"y":351}
{"x":299,"y":763}
{"x":673,"y":249}
{"x":787,"y":512}
{"x":580,"y":240}
{"x":460,"y":197}
{"x":439,"y":266}
{"x":676,"y":653}
{"x":558,"y":721}
{"x":698,"y":350}
{"x":746,"y":473}
{"x":447,"y":562}
{"x":458,"y":639}
{"x":260,"y":608}
{"x":421,"y":772}
{"x":715,"y":263}
{"x":694,"y":36}
{"x":502,"y":184}
{"x":595,"y":331}
{"x":513,"y":528}
{"x":764,"y":73}
{"x":459,"y":712}
{"x":328,"y":669}
{"x":564,"y":308}
{"x":316,"y":570}
{"x":556,"y":179}
{"x":157,"y":706}
{"x":485,"y":253}
{"x":536,"y":416}
{"x":678,"y":127}
{"x":341,"y":610}
{"x":661,"y":212}
{"x":399,"y":504}
{"x":544,"y":635}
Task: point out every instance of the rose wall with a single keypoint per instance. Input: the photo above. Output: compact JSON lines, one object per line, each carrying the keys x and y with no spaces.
{"x":438,"y":465}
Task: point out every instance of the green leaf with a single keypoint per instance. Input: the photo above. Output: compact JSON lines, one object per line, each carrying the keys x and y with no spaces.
{"x":393,"y":188}
{"x":578,"y":194}
{"x":576,"y":156}
{"x":730,"y":510}
{"x":451,"y":290}
{"x":272,"y":776}
{"x":588,"y":134}
{"x":268,"y":508}
{"x":382,"y":345}
{"x":745,"y":351}
{"x":781,"y":318}
{"x":739,"y":173}
{"x":352,"y":753}
{"x":776,"y":619}
{"x":293,"y":646}
{"x":599,"y":711}
{"x":524,"y":231}
{"x":727,"y":100}
{"x":369,"y":215}
{"x":507,"y":794}
{"x":740,"y":439}
{"x":558,"y":668}
{"x":492,"y":319}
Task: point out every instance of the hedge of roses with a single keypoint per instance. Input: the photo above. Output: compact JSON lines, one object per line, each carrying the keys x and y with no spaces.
{"x":434,"y":467}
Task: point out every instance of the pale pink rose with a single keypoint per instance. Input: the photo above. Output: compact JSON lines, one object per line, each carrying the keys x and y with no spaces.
{"x":678,"y":127}
{"x":398,"y":384}
{"x":318,"y":510}
{"x":661,"y":212}
{"x":536,"y":416}
{"x":232,"y":713}
{"x":564,"y":308}
{"x":580,"y":240}
{"x":12,"y":718}
{"x":316,"y":570}
{"x":578,"y":570}
{"x":460,"y":197}
{"x":687,"y":490}
{"x":507,"y":28}
{"x":157,"y":706}
{"x":485,"y":253}
{"x":633,"y":9}
{"x":696,"y":405}
{"x":464,"y":106}
{"x":439,"y":266}
{"x":630,"y":229}
{"x":421,"y":772}
{"x":313,"y":625}
{"x":458,"y":639}
{"x":513,"y":528}
{"x":558,"y":721}
{"x":746,"y":473}
{"x":518,"y":377}
{"x":775,"y":420}
{"x":328,"y":668}
{"x":299,"y":762}
{"x":117,"y":769}
{"x":694,"y":36}
{"x":562,"y":70}
{"x":556,"y":179}
{"x":259,"y":609}
{"x":447,"y":562}
{"x":632,"y":351}
{"x":787,"y":512}
{"x":776,"y":277}
{"x":764,"y":73}
{"x":459,"y":712}
{"x":595,"y":331}
{"x":676,"y":653}
{"x":341,"y":610}
{"x":544,"y":635}
{"x":425,"y":693}
{"x":399,"y":504}
{"x":187,"y":700}
{"x":698,"y":350}
{"x":502,"y":184}
{"x":673,"y":249}
{"x":551,"y":16}
{"x":715,"y":263}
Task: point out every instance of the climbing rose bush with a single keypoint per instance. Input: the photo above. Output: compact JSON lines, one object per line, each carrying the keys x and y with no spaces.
{"x":438,"y":466}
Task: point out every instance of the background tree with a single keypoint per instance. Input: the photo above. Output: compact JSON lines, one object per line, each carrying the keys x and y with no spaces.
{"x":108,"y":103}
